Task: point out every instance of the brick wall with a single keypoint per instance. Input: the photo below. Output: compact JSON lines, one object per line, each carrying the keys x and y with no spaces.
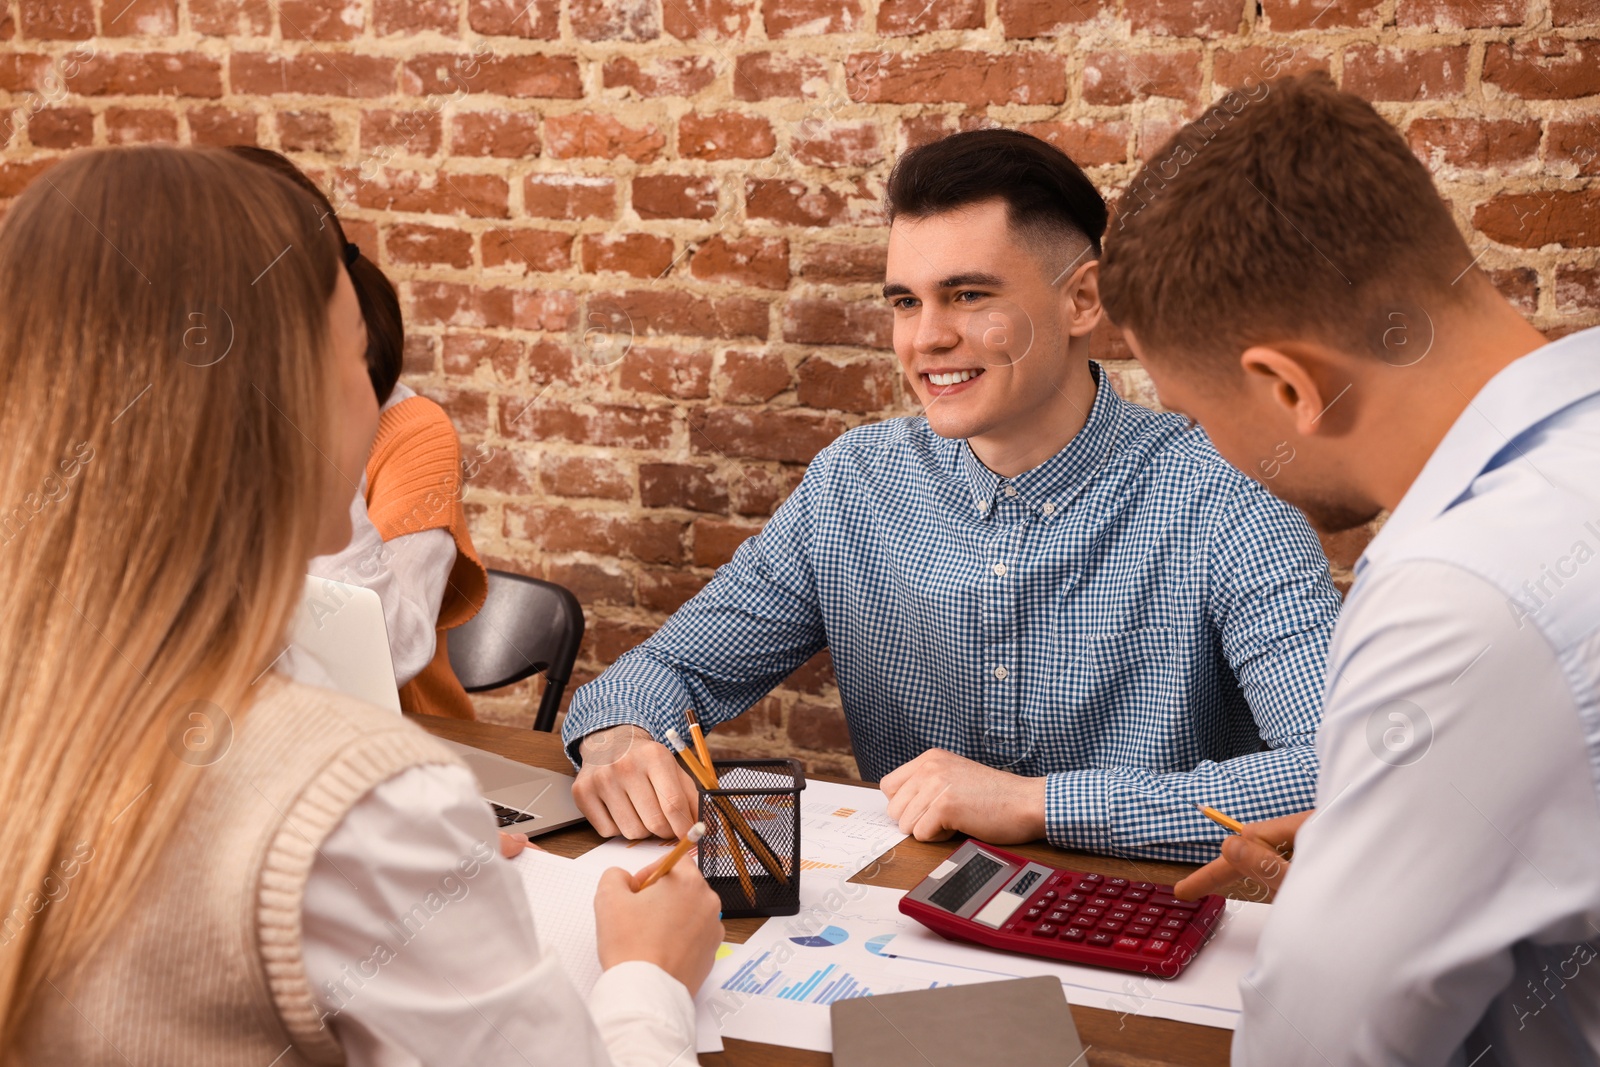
{"x":638,"y":240}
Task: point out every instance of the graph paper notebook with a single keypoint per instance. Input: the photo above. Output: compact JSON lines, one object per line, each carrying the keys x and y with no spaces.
{"x":1021,"y":1023}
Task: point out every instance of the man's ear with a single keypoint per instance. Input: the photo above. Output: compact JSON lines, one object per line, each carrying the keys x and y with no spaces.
{"x":1302,"y":380}
{"x":1080,"y":299}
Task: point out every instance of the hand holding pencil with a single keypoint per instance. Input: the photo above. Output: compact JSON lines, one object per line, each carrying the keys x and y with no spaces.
{"x":666,"y":915}
{"x":1256,"y":856}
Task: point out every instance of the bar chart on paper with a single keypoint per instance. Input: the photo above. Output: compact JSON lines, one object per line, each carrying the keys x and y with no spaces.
{"x":823,"y":985}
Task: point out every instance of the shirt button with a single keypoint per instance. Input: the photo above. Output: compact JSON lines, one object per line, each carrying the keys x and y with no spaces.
{"x":1000,"y":673}
{"x":1049,"y":509}
{"x":1011,"y":490}
{"x":999,"y":569}
{"x":983,"y":505}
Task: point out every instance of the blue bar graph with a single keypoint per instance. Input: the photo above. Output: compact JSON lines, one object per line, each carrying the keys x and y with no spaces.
{"x":810,"y":989}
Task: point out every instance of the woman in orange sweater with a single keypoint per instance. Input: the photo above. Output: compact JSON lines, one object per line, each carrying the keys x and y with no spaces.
{"x":409,"y":541}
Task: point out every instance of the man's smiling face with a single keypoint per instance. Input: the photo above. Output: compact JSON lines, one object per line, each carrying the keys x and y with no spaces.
{"x":978,"y":319}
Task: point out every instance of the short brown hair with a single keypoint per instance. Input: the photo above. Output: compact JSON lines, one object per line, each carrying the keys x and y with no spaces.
{"x":1295,"y":212}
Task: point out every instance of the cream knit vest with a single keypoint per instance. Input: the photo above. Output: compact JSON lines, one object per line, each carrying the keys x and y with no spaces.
{"x":205,"y":968}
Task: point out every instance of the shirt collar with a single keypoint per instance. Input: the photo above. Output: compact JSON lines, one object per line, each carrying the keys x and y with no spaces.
{"x":1524,"y":394}
{"x":1052,"y":484}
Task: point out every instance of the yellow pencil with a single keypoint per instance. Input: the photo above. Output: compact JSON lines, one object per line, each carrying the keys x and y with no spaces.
{"x":699,"y":737}
{"x":726,"y":806}
{"x":1227,"y":822}
{"x":681,"y":849}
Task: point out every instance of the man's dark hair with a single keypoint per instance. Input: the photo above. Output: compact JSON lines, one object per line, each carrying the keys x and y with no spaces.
{"x":380,"y":306}
{"x":1049,"y":200}
{"x":1296,"y":212}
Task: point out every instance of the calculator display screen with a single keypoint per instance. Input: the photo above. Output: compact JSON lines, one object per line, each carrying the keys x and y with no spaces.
{"x":965,"y":882}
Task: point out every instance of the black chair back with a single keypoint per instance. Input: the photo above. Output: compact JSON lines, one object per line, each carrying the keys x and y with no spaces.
{"x":526,"y":626}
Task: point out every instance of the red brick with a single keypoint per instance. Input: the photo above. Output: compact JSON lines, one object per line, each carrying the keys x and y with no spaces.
{"x":17,"y":176}
{"x":1519,"y":285}
{"x":808,"y":18}
{"x":308,"y":131}
{"x":1575,"y":141}
{"x":148,"y":74}
{"x":414,"y":133}
{"x":392,"y":17}
{"x":1548,"y":68}
{"x":1088,"y":144}
{"x":753,"y":377}
{"x":610,"y":533}
{"x":674,"y":196}
{"x":666,"y":372}
{"x":759,"y":261}
{"x":1346,"y":546}
{"x":1046,"y":18}
{"x":1287,"y":16}
{"x":316,"y":73}
{"x":222,"y":126}
{"x":22,"y":71}
{"x":819,"y":726}
{"x":795,"y":203}
{"x":1121,"y":77}
{"x":587,"y":133}
{"x":1184,"y":18}
{"x":61,"y":127}
{"x":456,"y":304}
{"x":607,"y":639}
{"x":766,"y":75}
{"x":1459,"y":15}
{"x":140,"y":125}
{"x":602,"y":425}
{"x":56,"y":20}
{"x":716,"y":540}
{"x":530,"y":251}
{"x":838,"y":144}
{"x":1577,"y":288}
{"x":977,"y":79}
{"x":654,"y":312}
{"x":784,"y":436}
{"x":466,"y":354}
{"x":667,"y":591}
{"x":1533,"y":220}
{"x":903,"y":18}
{"x":231,"y":18}
{"x":670,"y":76}
{"x":585,"y":476}
{"x":918,"y":130}
{"x":420,"y":356}
{"x":432,"y":192}
{"x":759,"y":490}
{"x":503,"y":134}
{"x":1383,"y":72}
{"x":682,"y":485}
{"x":320,"y":20}
{"x":859,"y":385}
{"x":842,"y":264}
{"x":1571,"y":12}
{"x":591,"y":583}
{"x":614,"y":20}
{"x":1479,"y":144}
{"x":467,"y":408}
{"x":569,"y":196}
{"x":139,"y":18}
{"x":764,"y":716}
{"x":413,"y":244}
{"x":838,"y":322}
{"x":642,"y":255}
{"x":1248,"y":68}
{"x":539,"y":20}
{"x":528,"y":75}
{"x":814,"y":676}
{"x":725,"y":135}
{"x":709,"y":20}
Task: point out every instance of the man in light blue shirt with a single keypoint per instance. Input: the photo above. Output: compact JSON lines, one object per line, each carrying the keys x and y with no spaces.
{"x":1289,"y":275}
{"x":1051,"y":612}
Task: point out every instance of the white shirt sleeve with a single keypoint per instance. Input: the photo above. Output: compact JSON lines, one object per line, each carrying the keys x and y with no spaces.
{"x":1455,"y":828}
{"x":421,"y":949}
{"x":409,"y":574}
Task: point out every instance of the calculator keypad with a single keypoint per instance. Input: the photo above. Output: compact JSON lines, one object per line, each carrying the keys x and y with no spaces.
{"x":1136,"y":918}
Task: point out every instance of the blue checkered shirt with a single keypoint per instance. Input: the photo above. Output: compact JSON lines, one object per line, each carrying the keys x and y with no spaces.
{"x":1133,"y":618}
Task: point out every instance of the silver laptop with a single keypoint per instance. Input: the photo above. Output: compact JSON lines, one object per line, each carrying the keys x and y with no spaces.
{"x":339,"y":641}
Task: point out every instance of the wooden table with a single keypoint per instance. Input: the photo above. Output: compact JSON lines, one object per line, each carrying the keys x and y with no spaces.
{"x":1111,"y":1041}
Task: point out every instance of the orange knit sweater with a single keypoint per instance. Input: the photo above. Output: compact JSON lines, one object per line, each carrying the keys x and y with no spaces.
{"x":414,"y":484}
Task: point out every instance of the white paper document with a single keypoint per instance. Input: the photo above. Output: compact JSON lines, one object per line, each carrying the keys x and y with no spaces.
{"x":561,"y":896}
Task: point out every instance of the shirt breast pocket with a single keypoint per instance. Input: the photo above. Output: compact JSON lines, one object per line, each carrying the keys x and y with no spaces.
{"x":1126,"y":675}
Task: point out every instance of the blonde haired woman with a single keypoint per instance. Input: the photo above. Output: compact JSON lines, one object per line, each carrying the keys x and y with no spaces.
{"x":205,"y":862}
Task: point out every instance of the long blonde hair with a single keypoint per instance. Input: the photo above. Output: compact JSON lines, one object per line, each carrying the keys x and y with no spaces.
{"x":165,"y":389}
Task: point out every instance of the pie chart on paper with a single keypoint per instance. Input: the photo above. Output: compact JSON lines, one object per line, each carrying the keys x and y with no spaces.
{"x":830,"y":935}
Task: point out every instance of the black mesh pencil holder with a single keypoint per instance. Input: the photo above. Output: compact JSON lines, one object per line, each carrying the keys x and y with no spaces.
{"x":751,"y":851}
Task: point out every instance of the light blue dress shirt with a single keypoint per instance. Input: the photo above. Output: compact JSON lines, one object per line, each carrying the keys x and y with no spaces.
{"x":1133,"y":618}
{"x":1443,"y":906}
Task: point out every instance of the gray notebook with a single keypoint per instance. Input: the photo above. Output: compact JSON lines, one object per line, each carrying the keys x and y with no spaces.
{"x":1024,"y":1022}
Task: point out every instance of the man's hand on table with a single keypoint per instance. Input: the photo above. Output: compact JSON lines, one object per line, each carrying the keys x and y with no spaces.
{"x":630,"y":784}
{"x":940,"y":793}
{"x":1256,"y":858}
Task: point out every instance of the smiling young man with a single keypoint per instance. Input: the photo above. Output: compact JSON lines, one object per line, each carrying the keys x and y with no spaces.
{"x":1051,"y":612}
{"x":1297,"y":281}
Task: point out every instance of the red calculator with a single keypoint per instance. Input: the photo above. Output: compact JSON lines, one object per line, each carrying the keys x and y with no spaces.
{"x":1000,"y":900}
